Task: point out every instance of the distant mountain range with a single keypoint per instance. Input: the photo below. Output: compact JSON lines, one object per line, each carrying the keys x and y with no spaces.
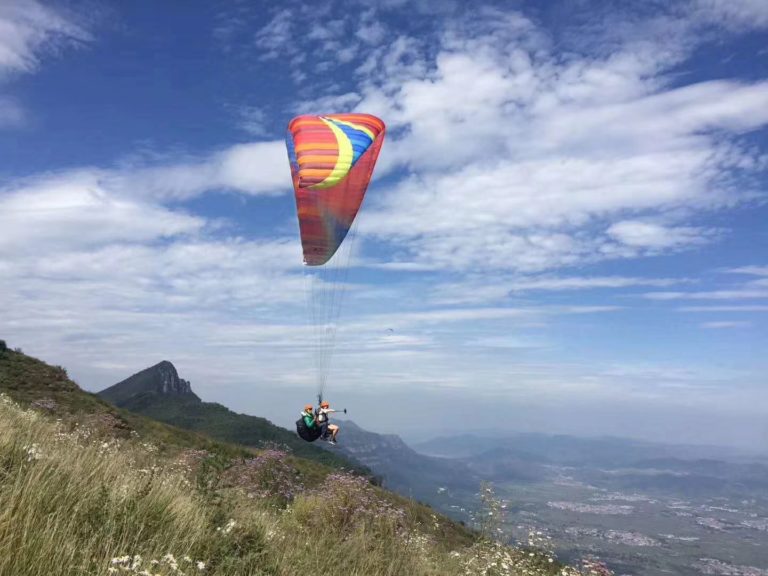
{"x":402,"y":468}
{"x":610,"y":463}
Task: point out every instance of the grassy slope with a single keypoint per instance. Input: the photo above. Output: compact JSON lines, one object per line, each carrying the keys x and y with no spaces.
{"x":77,"y":494}
{"x":28,"y":380}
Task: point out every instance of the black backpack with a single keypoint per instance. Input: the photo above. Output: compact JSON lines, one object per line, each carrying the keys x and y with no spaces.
{"x":307,"y":433}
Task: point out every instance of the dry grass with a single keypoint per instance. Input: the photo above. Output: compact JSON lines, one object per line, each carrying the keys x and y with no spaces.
{"x":74,"y":504}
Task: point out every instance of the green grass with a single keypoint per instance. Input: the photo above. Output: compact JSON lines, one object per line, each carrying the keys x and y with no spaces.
{"x":83,"y":494}
{"x":74,"y":503}
{"x":33,"y":383}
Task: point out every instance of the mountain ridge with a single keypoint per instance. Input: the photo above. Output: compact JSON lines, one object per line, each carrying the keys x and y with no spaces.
{"x":159,"y":393}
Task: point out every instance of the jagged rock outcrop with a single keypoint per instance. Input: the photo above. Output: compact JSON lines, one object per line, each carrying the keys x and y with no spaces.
{"x":161,"y":379}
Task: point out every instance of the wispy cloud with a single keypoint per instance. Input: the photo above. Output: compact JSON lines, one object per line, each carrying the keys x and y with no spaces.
{"x":29,"y":29}
{"x":736,"y":14}
{"x":74,"y":211}
{"x":519,"y":161}
{"x":492,"y":288}
{"x":726,"y":324}
{"x":735,"y":294}
{"x":230,"y":169}
{"x":650,"y":235}
{"x":756,"y":289}
{"x":750,"y":270}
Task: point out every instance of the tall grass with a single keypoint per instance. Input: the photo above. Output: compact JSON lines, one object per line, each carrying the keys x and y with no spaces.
{"x":68,"y":505}
{"x":75,"y":504}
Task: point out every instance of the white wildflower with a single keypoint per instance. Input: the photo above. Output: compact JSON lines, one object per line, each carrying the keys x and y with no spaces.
{"x":33,"y":452}
{"x":227,"y":528}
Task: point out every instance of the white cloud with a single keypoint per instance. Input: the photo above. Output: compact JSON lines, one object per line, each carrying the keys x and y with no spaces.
{"x":277,"y":34}
{"x":370,"y":29}
{"x":252,"y":119}
{"x":524,"y":316}
{"x":74,"y":210}
{"x":655,"y":236}
{"x":28,"y":32}
{"x":28,"y":29}
{"x":756,"y":289}
{"x":739,"y":14}
{"x":515,"y":155}
{"x":253,"y":168}
{"x":589,"y":282}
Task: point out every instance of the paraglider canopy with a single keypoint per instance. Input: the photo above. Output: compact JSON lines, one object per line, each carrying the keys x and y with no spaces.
{"x":332,"y":159}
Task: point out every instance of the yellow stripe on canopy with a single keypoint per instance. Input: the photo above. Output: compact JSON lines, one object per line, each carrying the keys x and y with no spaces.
{"x":344,"y":162}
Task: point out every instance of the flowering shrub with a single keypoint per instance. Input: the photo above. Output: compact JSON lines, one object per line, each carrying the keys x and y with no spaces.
{"x":345,"y":501}
{"x":270,"y":475}
{"x":189,"y":461}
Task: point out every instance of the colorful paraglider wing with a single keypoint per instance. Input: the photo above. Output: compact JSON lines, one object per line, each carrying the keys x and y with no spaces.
{"x":332,"y":159}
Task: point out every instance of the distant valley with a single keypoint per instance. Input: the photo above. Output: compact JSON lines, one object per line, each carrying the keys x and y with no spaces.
{"x":648,"y":509}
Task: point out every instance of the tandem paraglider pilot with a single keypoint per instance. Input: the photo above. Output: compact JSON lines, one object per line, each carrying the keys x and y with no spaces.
{"x":329,"y":431}
{"x":314,"y":424}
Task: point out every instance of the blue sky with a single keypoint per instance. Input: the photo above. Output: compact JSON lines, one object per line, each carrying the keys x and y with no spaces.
{"x":566,"y":230}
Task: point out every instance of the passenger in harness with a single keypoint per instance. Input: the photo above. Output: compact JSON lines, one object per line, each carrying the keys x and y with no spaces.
{"x":306,"y":426}
{"x":328,"y":431}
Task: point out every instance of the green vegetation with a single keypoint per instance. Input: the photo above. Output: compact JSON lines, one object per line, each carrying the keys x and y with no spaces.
{"x":78,"y":497}
{"x":31,"y":382}
{"x":46,"y":388}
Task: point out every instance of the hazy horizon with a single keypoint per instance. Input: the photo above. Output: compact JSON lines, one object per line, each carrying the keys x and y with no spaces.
{"x":282,"y":410}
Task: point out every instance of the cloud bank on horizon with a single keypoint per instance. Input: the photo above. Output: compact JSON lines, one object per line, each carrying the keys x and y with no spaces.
{"x":567,"y":218}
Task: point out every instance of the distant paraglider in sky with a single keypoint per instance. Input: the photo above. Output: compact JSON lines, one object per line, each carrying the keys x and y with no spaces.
{"x":332,"y":159}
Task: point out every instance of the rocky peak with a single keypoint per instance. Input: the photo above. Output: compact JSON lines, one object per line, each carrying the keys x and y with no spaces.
{"x":161,"y":379}
{"x":168,"y":381}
